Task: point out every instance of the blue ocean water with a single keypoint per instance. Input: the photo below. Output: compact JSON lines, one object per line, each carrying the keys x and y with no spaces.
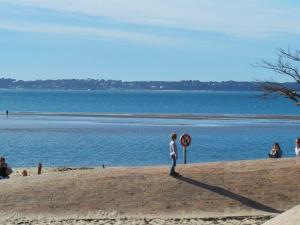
{"x":93,"y":141}
{"x":144,"y":102}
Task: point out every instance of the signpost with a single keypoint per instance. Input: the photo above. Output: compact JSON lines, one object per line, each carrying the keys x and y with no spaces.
{"x":185,"y":141}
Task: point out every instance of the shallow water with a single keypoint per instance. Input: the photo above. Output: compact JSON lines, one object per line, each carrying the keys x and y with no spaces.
{"x":81,"y":140}
{"x":93,"y":141}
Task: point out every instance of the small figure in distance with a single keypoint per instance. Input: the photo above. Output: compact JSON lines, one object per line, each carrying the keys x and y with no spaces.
{"x":297,"y":148}
{"x":24,"y":173}
{"x":6,"y":112}
{"x":275,"y":151}
{"x":173,"y":154}
{"x":5,"y":170}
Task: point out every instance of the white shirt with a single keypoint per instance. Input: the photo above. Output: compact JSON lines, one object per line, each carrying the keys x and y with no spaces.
{"x":173,"y":148}
{"x":297,"y":151}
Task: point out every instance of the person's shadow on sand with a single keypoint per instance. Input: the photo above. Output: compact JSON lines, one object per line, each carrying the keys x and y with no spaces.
{"x":246,"y":201}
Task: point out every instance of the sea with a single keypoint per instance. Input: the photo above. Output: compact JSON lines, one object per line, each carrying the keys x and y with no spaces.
{"x":69,"y":128}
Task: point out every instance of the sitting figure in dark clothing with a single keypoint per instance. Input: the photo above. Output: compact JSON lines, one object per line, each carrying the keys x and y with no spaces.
{"x":276,"y":151}
{"x":5,"y":170}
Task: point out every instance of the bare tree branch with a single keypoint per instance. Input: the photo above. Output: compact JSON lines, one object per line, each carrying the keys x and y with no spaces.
{"x":281,"y":67}
{"x":286,"y":64}
{"x":270,"y":88}
{"x":289,"y":55}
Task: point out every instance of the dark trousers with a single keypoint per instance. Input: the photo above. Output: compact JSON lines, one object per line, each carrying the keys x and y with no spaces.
{"x":3,"y":171}
{"x":173,"y":164}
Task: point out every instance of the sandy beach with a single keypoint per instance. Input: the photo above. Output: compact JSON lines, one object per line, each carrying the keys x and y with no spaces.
{"x":17,"y":219}
{"x":212,"y":193}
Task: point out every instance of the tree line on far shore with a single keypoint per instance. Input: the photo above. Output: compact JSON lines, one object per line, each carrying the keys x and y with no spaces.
{"x":102,"y":84}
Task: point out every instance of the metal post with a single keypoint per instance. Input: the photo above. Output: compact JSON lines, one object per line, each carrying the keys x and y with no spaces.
{"x":184,"y":155}
{"x":39,"y":168}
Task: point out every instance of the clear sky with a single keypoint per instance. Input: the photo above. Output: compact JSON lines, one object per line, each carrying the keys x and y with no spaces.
{"x":144,"y":39}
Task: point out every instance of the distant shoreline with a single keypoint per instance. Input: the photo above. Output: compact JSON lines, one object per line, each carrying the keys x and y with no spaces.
{"x":102,"y":84}
{"x":133,"y":90}
{"x":157,"y":116}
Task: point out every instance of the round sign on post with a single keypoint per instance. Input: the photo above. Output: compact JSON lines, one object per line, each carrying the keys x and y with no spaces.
{"x":185,"y":141}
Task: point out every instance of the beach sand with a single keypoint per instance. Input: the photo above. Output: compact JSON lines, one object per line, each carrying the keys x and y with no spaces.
{"x":290,"y":217}
{"x":103,"y":217}
{"x":72,"y":220}
{"x":244,"y":192}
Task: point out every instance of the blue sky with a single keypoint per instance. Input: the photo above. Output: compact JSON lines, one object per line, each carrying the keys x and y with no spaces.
{"x":144,"y":39}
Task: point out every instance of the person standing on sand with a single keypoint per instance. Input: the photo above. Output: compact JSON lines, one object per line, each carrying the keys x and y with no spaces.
{"x":297,"y":148}
{"x":173,"y":154}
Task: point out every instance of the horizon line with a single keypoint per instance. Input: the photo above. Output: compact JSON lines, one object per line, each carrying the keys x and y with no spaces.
{"x":120,"y":80}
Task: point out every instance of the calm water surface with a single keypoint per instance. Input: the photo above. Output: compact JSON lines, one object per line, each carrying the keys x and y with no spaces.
{"x":143,"y":102}
{"x":86,"y":141}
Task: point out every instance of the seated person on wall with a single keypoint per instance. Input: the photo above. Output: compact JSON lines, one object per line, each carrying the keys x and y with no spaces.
{"x":297,"y":148}
{"x":5,"y":170}
{"x":276,"y":151}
